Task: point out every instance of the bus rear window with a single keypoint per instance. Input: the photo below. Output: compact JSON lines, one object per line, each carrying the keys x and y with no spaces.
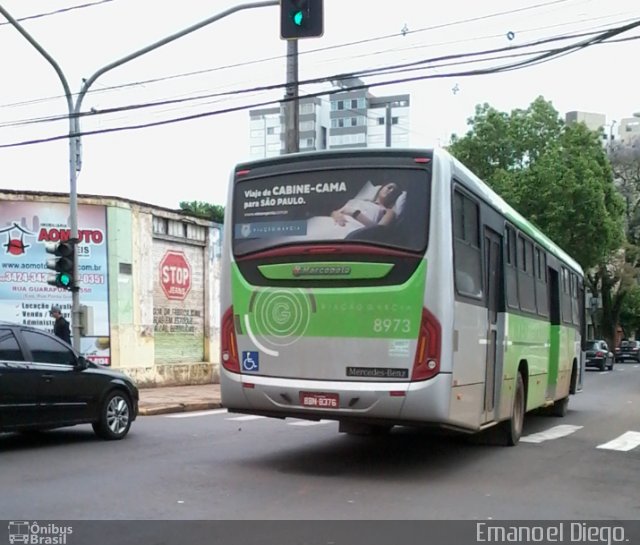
{"x":389,"y":207}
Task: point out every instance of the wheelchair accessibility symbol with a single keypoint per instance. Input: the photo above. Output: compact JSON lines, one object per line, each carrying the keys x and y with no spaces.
{"x":250,"y":361}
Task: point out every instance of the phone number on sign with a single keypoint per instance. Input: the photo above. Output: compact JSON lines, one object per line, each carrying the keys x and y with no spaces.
{"x":43,"y":277}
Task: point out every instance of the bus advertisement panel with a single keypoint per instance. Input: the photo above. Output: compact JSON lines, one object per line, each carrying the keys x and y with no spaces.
{"x":358,"y":205}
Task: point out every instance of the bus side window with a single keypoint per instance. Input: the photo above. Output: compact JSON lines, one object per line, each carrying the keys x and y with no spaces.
{"x":511,"y":275}
{"x":526,"y":273}
{"x":567,"y":317}
{"x":575,"y":307}
{"x":541,"y":281}
{"x":466,"y":248}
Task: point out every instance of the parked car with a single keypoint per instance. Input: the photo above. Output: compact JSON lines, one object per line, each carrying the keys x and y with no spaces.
{"x":598,"y":355}
{"x":45,"y":384}
{"x":628,"y":350}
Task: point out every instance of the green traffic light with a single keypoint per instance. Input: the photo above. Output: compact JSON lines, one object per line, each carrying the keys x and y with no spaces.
{"x":297,"y":18}
{"x":64,"y":280}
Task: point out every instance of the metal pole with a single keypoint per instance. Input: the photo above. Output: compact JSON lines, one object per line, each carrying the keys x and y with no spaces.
{"x":165,"y":41}
{"x":387,"y":122}
{"x":291,"y":108}
{"x":73,"y":163}
{"x":613,"y":124}
{"x":74,"y":123}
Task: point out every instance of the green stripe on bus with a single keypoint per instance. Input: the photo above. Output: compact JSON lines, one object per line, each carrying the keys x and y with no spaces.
{"x":325,"y":270}
{"x":288,"y":313}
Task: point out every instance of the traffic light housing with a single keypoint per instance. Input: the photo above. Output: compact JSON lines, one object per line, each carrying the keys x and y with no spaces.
{"x":301,"y":19}
{"x":62,"y":264}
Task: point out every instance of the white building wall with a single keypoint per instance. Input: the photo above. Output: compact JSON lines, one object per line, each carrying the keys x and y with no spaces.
{"x":629,"y":130}
{"x":400,"y":132}
{"x":377,"y":128}
{"x":264,"y":136}
{"x":266,"y":130}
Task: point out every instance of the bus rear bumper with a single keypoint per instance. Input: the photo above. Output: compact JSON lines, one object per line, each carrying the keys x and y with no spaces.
{"x":417,"y":402}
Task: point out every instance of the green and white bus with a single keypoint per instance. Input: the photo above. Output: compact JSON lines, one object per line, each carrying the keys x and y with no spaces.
{"x":392,"y":287}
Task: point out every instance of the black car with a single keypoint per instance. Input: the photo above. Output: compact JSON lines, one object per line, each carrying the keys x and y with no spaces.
{"x":45,"y":384}
{"x":598,"y":355}
{"x":628,"y":350}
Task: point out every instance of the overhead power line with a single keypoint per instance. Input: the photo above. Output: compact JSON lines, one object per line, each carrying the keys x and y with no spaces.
{"x":58,"y":11}
{"x":443,"y":61}
{"x":544,"y":57}
{"x":278,"y":57}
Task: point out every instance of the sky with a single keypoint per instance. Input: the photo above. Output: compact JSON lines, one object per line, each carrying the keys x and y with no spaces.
{"x":192,"y":159}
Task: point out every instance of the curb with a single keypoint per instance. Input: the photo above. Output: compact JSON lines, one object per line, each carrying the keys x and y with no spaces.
{"x":179,"y":408}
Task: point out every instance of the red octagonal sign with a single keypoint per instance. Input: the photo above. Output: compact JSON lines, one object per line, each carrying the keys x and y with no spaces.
{"x":175,"y":275}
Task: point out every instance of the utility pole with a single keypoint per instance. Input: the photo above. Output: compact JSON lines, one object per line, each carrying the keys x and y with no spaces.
{"x":291,"y":107}
{"x":74,"y":124}
{"x":298,"y":19}
{"x":610,"y":143}
{"x":387,"y":125}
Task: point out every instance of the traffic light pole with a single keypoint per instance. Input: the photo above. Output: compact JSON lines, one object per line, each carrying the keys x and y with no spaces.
{"x":74,"y":124}
{"x":291,"y":107}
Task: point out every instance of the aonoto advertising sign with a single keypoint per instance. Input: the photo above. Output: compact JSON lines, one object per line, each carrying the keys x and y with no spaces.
{"x":175,"y":275}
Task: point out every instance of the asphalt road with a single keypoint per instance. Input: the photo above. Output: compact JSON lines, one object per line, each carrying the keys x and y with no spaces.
{"x":221,"y":466}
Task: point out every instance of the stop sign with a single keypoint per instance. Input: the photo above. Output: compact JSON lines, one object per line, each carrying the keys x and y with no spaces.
{"x":175,"y":275}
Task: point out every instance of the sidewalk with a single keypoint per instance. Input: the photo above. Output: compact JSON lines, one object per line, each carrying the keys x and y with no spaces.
{"x":178,"y":399}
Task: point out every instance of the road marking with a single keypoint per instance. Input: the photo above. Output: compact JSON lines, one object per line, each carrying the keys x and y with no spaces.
{"x":196,"y":413}
{"x":246,"y":418}
{"x":309,"y":422}
{"x":552,"y":433}
{"x":627,"y":441}
{"x":636,"y":366}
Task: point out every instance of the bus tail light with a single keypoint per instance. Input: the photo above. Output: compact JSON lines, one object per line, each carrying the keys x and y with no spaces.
{"x":427,"y":362}
{"x":228,"y":344}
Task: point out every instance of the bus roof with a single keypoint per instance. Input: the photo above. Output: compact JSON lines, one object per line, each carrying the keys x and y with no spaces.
{"x":481,"y":188}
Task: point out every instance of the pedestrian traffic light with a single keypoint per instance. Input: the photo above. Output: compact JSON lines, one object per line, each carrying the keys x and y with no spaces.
{"x":301,"y":19}
{"x":63,"y":264}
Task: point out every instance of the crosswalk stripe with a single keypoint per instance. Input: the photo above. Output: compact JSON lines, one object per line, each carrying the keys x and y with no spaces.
{"x":246,"y":418}
{"x":552,"y":433}
{"x":309,"y":422}
{"x":625,"y":442}
{"x":196,"y":413}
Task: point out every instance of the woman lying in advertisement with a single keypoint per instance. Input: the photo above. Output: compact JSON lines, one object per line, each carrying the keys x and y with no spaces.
{"x":374,"y":205}
{"x":369,"y":212}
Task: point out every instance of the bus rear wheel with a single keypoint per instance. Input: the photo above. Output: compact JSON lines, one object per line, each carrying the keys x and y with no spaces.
{"x":512,"y":428}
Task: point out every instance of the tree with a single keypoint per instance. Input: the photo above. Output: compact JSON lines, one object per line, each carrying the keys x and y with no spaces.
{"x":618,"y":283}
{"x":625,"y":161}
{"x":499,"y":143}
{"x":569,"y":192}
{"x":212,"y":212}
{"x":559,"y":177}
